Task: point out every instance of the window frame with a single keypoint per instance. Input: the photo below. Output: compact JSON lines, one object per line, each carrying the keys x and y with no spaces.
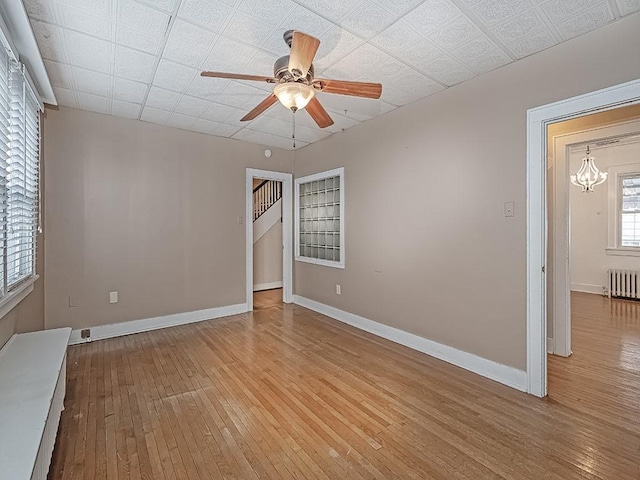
{"x":14,"y":289}
{"x":336,"y":172}
{"x":614,"y":200}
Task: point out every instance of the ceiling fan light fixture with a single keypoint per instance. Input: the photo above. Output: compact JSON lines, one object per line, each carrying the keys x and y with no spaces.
{"x":294,"y":95}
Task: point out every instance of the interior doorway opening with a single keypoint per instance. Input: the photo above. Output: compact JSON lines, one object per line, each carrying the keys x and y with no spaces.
{"x":593,"y":341}
{"x":267,"y":243}
{"x":537,"y":121}
{"x":269,"y":235}
{"x":581,"y":248}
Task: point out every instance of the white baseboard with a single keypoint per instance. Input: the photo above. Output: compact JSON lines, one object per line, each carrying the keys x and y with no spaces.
{"x":147,"y":324}
{"x":551,"y":345}
{"x":504,"y":374}
{"x":257,"y":287}
{"x":586,"y":288}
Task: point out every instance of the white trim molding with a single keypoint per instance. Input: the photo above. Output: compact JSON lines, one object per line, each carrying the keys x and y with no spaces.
{"x":498,"y":372}
{"x":287,"y":231}
{"x":148,"y":324}
{"x":537,"y":120}
{"x":624,"y":252}
{"x":258,"y":287}
{"x":550,"y":345}
{"x":586,"y":288}
{"x":15,"y":296}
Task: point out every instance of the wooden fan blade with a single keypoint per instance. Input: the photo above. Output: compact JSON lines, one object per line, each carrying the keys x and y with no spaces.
{"x":354,"y":89}
{"x":318,"y":113}
{"x":238,"y":76}
{"x":303,"y":49}
{"x":262,"y":107}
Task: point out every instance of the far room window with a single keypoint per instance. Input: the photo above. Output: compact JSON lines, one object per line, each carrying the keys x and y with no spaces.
{"x":319,"y":225}
{"x":623,"y":221}
{"x":629,"y":210}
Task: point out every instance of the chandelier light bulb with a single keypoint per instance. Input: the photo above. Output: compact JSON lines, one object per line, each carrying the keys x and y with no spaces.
{"x":588,"y":176}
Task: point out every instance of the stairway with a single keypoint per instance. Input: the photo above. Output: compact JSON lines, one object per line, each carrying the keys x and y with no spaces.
{"x":267,"y":207}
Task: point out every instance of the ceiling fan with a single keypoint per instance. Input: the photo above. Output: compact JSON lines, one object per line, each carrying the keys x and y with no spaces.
{"x":295,"y":84}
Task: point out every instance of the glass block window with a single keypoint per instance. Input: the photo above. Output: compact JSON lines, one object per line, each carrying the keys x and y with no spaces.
{"x":319,"y":226}
{"x":630,"y":211}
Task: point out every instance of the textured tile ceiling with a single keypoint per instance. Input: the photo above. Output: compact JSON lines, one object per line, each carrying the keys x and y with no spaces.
{"x":142,"y":58}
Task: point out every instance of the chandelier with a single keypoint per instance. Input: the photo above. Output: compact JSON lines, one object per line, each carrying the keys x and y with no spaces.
{"x":588,"y":176}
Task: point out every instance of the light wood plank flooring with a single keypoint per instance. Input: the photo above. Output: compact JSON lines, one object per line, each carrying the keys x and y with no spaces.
{"x":286,"y":393}
{"x":267,"y":298}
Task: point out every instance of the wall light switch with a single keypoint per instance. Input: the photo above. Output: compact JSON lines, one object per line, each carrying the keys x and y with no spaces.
{"x":113,"y":297}
{"x":239,"y":220}
{"x":338,"y":290}
{"x":508,"y":209}
{"x":73,"y":301}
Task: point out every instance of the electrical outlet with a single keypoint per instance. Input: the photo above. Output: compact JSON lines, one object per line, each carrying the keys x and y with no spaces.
{"x":72,"y":301}
{"x":338,"y":290}
{"x":113,"y":297}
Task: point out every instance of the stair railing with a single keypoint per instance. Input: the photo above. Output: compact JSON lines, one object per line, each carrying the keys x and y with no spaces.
{"x":264,"y":196}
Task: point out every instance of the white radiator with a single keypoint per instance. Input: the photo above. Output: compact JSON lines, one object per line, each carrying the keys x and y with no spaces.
{"x":624,"y":284}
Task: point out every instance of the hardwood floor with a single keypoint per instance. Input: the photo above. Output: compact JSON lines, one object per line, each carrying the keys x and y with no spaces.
{"x":601,"y":379}
{"x":267,"y":298}
{"x":286,"y":393}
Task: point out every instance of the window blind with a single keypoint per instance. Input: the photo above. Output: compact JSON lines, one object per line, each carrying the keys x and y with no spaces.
{"x":19,"y":172}
{"x":630,"y":212}
{"x":22,"y":179}
{"x":5,"y":128}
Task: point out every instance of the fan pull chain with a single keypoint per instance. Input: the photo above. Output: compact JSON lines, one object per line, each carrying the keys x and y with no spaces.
{"x":293,"y":135}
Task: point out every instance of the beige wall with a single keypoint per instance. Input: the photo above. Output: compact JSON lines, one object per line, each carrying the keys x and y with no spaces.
{"x":428,"y":247}
{"x":267,"y":257}
{"x":7,"y":326}
{"x":146,"y":210}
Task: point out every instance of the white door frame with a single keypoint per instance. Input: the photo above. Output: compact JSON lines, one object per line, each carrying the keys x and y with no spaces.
{"x":287,"y":231}
{"x":537,"y":120}
{"x":560,"y":268}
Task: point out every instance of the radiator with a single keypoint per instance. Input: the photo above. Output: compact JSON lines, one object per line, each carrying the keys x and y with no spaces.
{"x":624,"y":284}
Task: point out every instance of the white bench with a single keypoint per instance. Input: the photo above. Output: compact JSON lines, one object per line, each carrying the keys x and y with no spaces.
{"x":32,"y":387}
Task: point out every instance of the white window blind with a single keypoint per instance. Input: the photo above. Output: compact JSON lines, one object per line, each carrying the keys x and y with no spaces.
{"x":630,"y":211}
{"x":19,"y":171}
{"x":5,"y":129}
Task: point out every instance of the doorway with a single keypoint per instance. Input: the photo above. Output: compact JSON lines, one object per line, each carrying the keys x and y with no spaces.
{"x":537,"y":121}
{"x":267,"y":243}
{"x":269,"y":227}
{"x":593,"y":340}
{"x":580,"y":247}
